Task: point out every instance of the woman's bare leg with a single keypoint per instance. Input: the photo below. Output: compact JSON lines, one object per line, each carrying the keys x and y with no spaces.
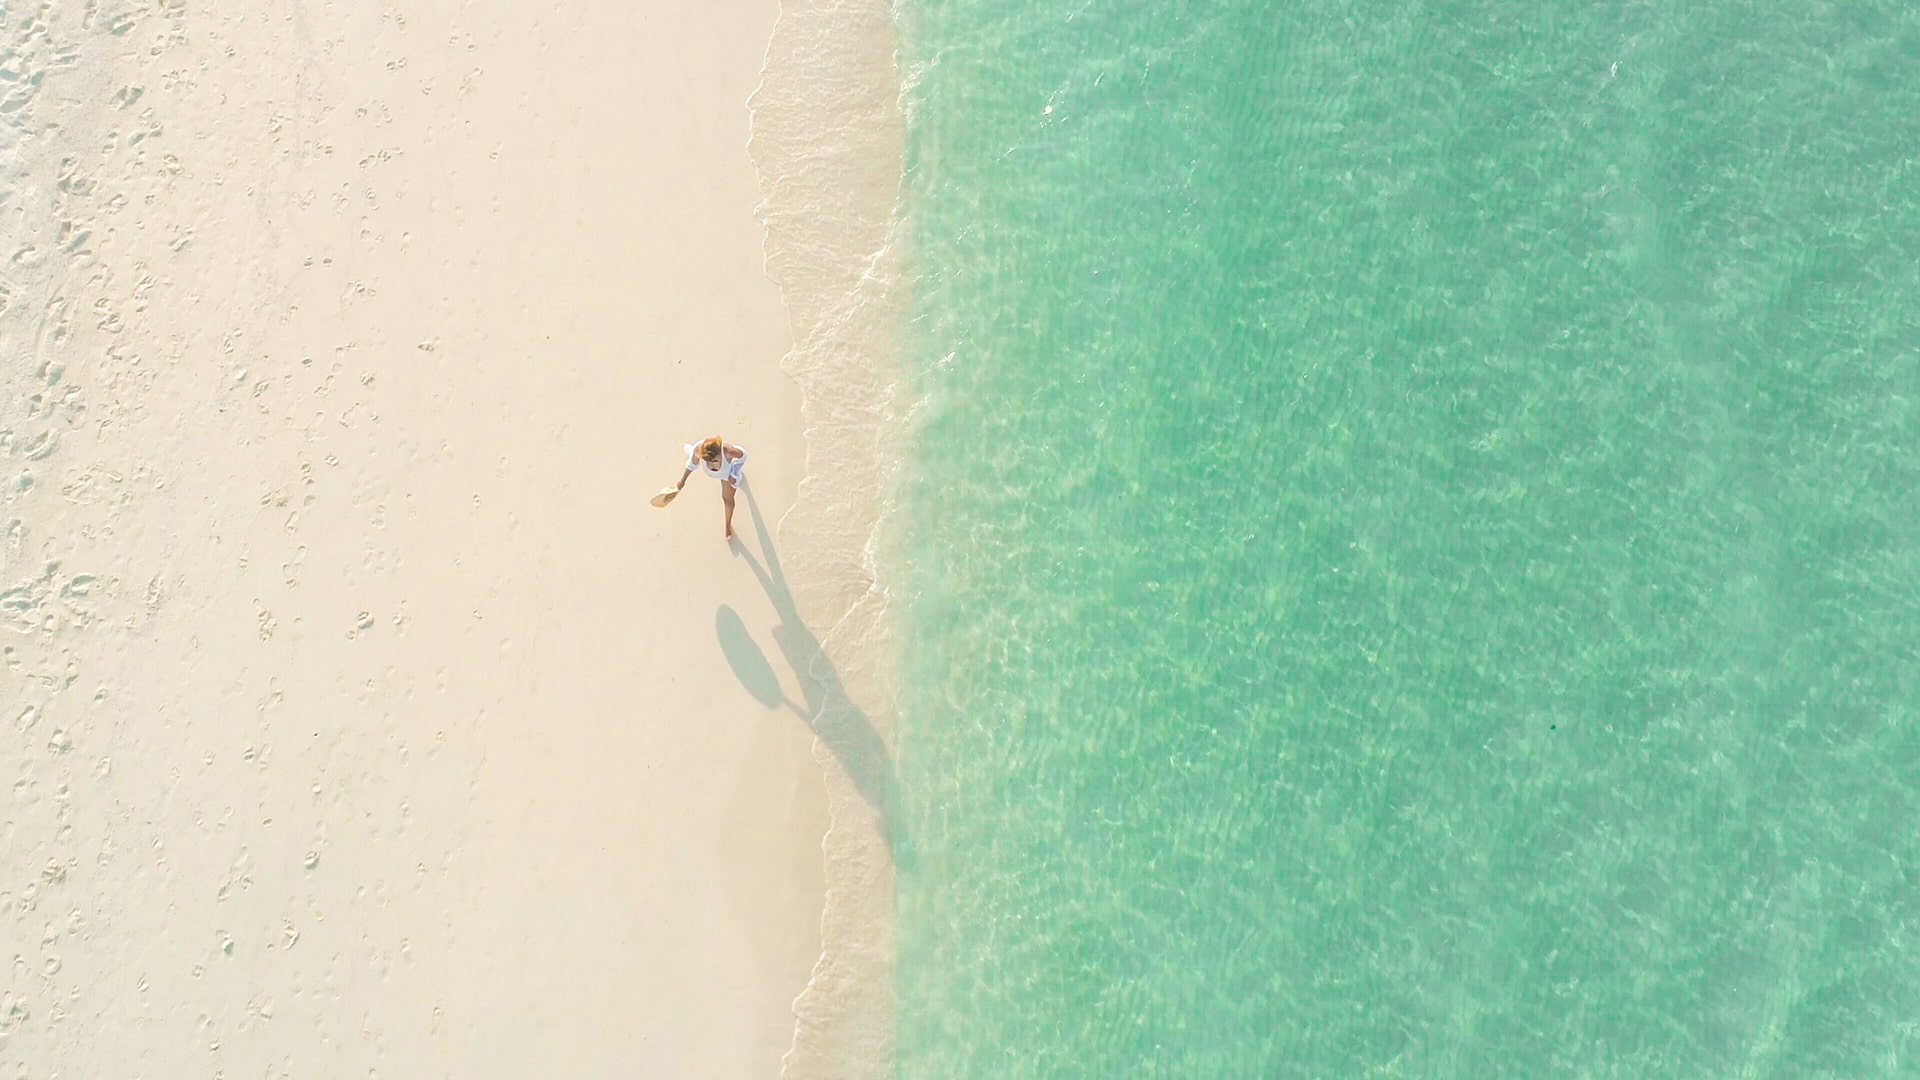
{"x":726,"y":496}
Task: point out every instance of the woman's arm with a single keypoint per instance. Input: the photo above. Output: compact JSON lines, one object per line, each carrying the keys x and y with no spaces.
{"x":684,"y":473}
{"x":735,"y":458}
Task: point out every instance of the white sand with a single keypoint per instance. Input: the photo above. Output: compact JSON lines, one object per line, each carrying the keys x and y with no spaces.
{"x":361,"y":717}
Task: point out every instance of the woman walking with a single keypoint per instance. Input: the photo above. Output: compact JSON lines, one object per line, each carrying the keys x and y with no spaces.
{"x":721,"y":460}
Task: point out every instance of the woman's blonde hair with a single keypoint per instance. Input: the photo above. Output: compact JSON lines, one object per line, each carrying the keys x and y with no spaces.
{"x":708,"y":450}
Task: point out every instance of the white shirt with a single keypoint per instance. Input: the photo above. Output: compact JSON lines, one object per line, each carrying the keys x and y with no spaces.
{"x":730,"y":470}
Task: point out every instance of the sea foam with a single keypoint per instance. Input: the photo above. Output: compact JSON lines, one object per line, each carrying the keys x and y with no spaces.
{"x":827,"y":140}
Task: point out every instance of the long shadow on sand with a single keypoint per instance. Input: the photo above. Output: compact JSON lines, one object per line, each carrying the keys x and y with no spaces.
{"x":826,"y":709}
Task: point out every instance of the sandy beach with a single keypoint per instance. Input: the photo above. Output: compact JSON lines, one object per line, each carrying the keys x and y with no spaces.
{"x":362,"y":716}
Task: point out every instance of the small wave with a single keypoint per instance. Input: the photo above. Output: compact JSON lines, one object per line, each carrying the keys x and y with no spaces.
{"x":827,"y":138}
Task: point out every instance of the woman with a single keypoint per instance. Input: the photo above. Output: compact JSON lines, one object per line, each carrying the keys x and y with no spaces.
{"x":724,"y":462}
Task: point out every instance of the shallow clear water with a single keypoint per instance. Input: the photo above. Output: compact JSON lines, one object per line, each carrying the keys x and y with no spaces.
{"x":1412,"y":562}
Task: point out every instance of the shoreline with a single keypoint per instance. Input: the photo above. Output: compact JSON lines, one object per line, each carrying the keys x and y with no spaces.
{"x":827,"y":140}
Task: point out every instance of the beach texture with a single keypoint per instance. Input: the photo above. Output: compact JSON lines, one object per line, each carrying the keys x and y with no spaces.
{"x":1411,"y":547}
{"x":361,"y":716}
{"x":1324,"y":541}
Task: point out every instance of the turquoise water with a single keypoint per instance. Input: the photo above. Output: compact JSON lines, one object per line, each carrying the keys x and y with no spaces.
{"x":1411,"y":562}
